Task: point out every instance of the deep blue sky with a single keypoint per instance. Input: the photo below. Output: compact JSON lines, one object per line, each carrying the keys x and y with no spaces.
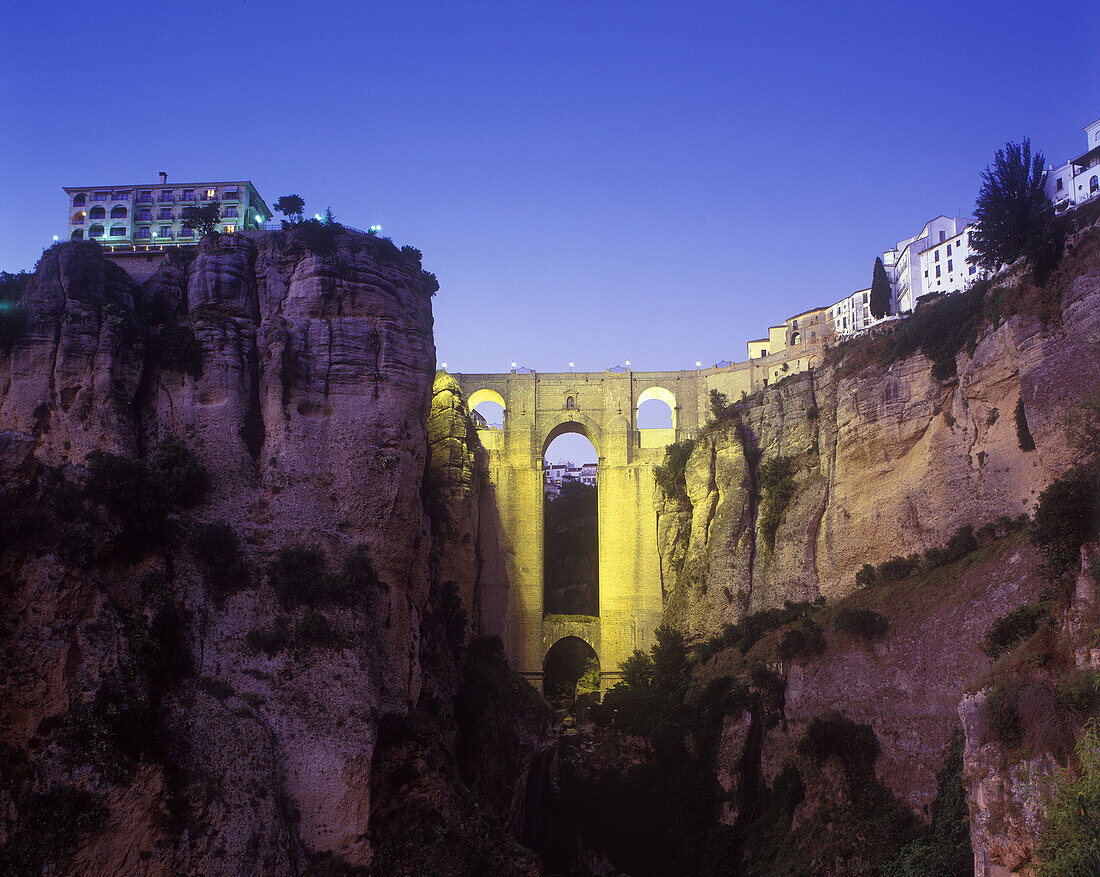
{"x":590,"y":181}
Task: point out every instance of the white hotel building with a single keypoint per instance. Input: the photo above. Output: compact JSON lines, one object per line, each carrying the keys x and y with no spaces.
{"x":147,"y":216}
{"x":1078,"y":180}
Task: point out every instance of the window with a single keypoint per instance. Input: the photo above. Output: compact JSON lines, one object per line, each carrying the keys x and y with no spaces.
{"x":99,"y":196}
{"x":96,"y":231}
{"x":165,"y":195}
{"x":230,"y":212}
{"x":925,"y":273}
{"x":570,"y":402}
{"x":210,"y":193}
{"x":143,"y":234}
{"x":229,"y":229}
{"x":118,"y":212}
{"x":118,"y":231}
{"x":949,"y":249}
{"x":78,"y":218}
{"x":165,"y":231}
{"x":186,"y":233}
{"x":145,"y":196}
{"x":937,"y":255}
{"x":1058,"y":184}
{"x":943,"y":236}
{"x":164,"y":213}
{"x":972,"y":269}
{"x":949,"y":268}
{"x":188,"y":195}
{"x":145,"y":214}
{"x":78,"y":235}
{"x":78,"y":200}
{"x":937,"y":270}
{"x":98,"y":213}
{"x":122,"y":196}
{"x":1094,"y":184}
{"x":763,"y":353}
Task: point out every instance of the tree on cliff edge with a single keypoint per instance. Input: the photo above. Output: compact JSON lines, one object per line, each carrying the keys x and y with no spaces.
{"x":291,"y":206}
{"x":880,"y":292}
{"x":202,"y":219}
{"x":1014,"y":215}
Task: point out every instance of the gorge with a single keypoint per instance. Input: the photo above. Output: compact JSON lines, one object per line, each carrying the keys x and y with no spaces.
{"x":258,"y":560}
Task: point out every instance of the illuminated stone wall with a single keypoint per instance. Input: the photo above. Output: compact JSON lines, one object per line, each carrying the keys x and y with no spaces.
{"x":602,"y":406}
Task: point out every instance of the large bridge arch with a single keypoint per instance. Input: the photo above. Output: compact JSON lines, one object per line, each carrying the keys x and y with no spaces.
{"x":603,"y":407}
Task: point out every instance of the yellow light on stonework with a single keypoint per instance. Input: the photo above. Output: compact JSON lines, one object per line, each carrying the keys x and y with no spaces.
{"x":698,"y":364}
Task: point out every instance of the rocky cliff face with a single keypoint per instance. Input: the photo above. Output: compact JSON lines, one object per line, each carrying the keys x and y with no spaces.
{"x":298,"y":369}
{"x":886,"y":462}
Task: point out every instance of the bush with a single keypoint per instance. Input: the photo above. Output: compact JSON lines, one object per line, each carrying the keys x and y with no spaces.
{"x":412,"y":254}
{"x":298,"y":575}
{"x":1003,"y":715}
{"x":861,"y":622}
{"x":181,"y":475}
{"x":777,"y":481}
{"x":1009,"y":630}
{"x":13,"y":319}
{"x":944,"y":849}
{"x":429,"y":283}
{"x":670,"y":475}
{"x":271,"y":640}
{"x":866,"y":576}
{"x":835,"y":736}
{"x":176,"y":348}
{"x":313,"y":629}
{"x":1080,"y":692}
{"x":51,"y":824}
{"x":803,"y":641}
{"x":1070,"y":843}
{"x":129,"y":491}
{"x":1067,"y":516}
{"x":897,"y":568}
{"x":1023,"y":434}
{"x":218,"y":550}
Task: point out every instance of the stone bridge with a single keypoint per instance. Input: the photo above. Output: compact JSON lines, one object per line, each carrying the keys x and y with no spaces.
{"x":602,"y":406}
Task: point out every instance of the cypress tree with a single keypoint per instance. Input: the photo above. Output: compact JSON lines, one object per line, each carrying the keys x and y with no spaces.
{"x":880,"y":292}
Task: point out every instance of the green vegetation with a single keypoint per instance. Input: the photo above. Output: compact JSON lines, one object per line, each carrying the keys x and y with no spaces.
{"x":429,"y":282}
{"x":864,"y":623}
{"x":880,"y":291}
{"x":13,"y":319}
{"x":778,"y":484}
{"x":835,"y":736}
{"x":202,"y":218}
{"x":176,"y":348}
{"x":803,"y":641}
{"x":299,"y":576}
{"x":51,"y":824}
{"x":1010,"y":630}
{"x":670,"y":475}
{"x":943,"y":849}
{"x":219,"y":552}
{"x":133,"y":495}
{"x":750,"y":629}
{"x":1023,"y":434}
{"x":291,"y":206}
{"x":1070,"y":843}
{"x":1068,"y":514}
{"x":1014,"y":215}
{"x":182,"y":477}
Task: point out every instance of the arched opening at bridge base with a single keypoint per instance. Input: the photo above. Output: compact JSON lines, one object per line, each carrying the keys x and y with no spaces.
{"x":571,"y":674}
{"x":571,"y":552}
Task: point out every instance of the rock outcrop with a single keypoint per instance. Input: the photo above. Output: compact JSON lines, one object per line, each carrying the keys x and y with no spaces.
{"x":297,"y":368}
{"x":886,"y":462}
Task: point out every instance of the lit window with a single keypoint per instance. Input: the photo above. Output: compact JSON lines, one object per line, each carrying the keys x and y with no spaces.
{"x":210,"y":193}
{"x":229,"y":229}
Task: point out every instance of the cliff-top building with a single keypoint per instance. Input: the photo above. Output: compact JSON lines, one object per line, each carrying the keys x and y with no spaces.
{"x":149,"y":216}
{"x":1078,"y":180}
